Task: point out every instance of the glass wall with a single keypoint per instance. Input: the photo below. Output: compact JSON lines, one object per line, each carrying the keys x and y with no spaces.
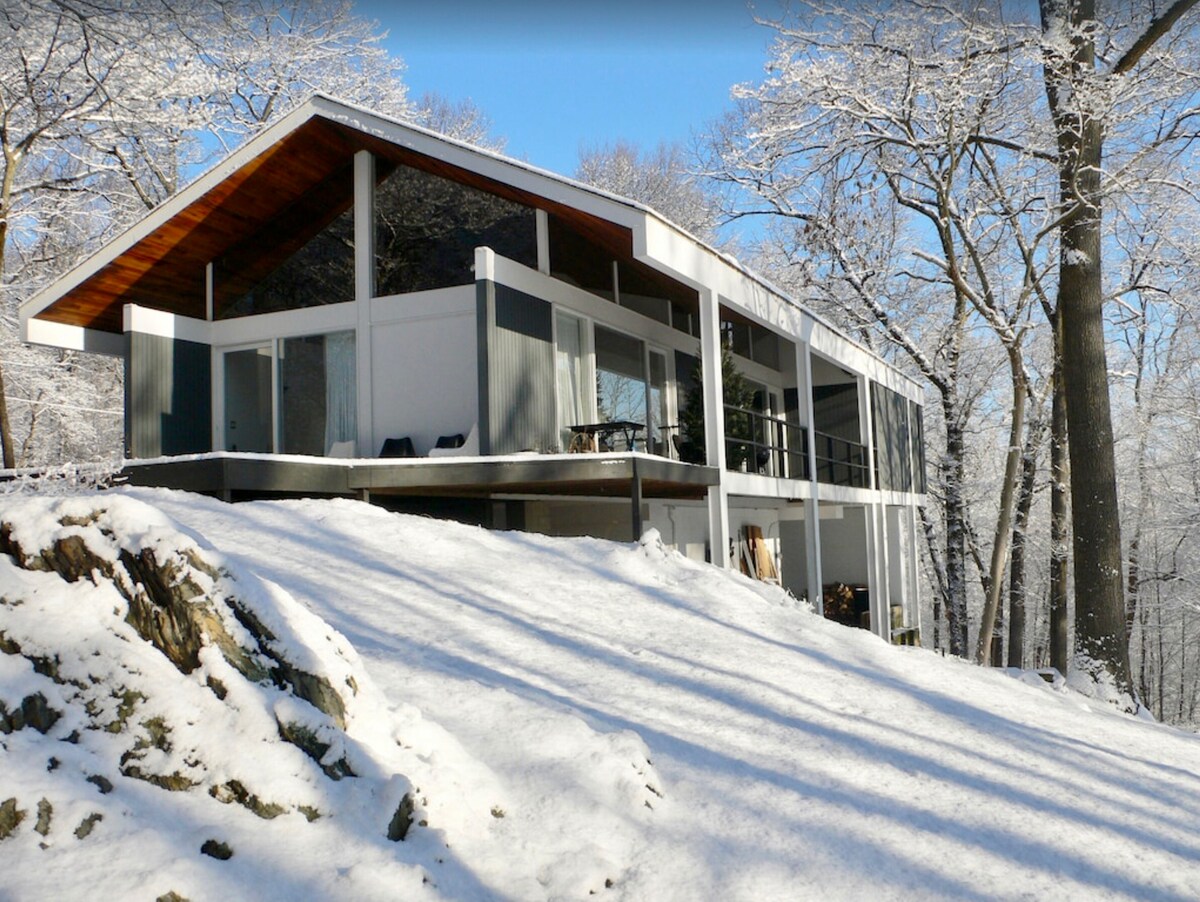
{"x":317,"y":397}
{"x":304,"y":257}
{"x":427,"y":228}
{"x":620,"y":377}
{"x":292,"y":395}
{"x":248,"y":421}
{"x":571,"y":373}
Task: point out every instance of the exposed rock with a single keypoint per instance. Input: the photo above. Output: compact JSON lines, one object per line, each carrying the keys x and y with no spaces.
{"x":170,"y":610}
{"x":102,"y":783}
{"x":84,"y":830}
{"x":171,"y":896}
{"x":216,"y":849}
{"x":306,"y":740}
{"x":157,"y":735}
{"x":45,"y":813}
{"x":234,"y":791}
{"x":313,"y":689}
{"x":310,"y":813}
{"x":10,"y":818}
{"x":34,"y":712}
{"x":401,"y":821}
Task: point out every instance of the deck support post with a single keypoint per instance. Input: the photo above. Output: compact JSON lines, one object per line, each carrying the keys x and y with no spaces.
{"x":635,"y":497}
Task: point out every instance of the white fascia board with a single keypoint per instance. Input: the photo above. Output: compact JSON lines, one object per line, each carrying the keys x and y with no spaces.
{"x":285,"y":324}
{"x":677,"y":254}
{"x":72,"y":338}
{"x":169,"y":208}
{"x":754,"y":485}
{"x":148,"y":321}
{"x":841,"y":350}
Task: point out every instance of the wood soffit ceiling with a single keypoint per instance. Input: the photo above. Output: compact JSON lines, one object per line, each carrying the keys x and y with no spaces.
{"x":166,"y":269}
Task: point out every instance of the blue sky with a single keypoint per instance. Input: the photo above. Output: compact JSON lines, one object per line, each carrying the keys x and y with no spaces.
{"x":557,"y":76}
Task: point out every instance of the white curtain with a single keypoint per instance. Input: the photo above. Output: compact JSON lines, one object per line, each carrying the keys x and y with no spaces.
{"x":341,"y":405}
{"x":569,"y":373}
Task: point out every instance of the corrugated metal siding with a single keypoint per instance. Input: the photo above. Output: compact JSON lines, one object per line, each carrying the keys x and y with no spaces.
{"x":517,"y":365}
{"x":168,"y":397}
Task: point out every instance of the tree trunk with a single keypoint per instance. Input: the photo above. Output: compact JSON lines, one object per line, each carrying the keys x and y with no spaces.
{"x":955,"y":531}
{"x":7,"y":451}
{"x":1100,"y":645}
{"x":1060,"y":651}
{"x":956,"y":539}
{"x":1016,"y":570}
{"x":1008,"y":491}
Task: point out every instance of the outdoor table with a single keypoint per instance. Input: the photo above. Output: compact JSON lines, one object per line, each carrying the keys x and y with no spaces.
{"x":599,"y":435}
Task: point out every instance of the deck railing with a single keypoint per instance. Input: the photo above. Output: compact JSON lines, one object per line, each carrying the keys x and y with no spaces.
{"x":759,"y":443}
{"x":841,"y":462}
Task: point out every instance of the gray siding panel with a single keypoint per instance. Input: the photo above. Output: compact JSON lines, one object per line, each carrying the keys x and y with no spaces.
{"x":518,"y":357}
{"x":168,"y":396}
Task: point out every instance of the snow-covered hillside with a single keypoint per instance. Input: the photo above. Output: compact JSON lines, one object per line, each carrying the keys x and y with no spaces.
{"x":563,"y":717}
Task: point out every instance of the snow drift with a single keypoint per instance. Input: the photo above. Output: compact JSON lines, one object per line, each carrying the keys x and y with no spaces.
{"x":564,"y":717}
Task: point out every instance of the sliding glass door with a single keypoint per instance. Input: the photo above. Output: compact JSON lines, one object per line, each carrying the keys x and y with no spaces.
{"x":248,"y":401}
{"x":294,"y":395}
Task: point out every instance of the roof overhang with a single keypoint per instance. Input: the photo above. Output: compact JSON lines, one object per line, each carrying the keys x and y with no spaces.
{"x":161,"y":262}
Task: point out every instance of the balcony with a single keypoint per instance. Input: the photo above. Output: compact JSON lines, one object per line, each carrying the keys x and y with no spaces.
{"x":841,"y":462}
{"x":756,"y":442}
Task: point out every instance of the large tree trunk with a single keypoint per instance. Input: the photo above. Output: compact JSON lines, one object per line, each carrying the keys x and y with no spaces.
{"x":954,"y":476}
{"x":1099,"y":599}
{"x":1100,"y":644}
{"x":1060,"y":559}
{"x":7,"y":451}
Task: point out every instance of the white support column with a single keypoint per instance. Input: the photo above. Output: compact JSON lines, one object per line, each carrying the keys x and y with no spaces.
{"x":914,"y":583}
{"x":877,"y":568}
{"x":714,"y":425}
{"x":866,"y":427}
{"x":208,"y":291}
{"x":812,"y":552}
{"x":812,"y":509}
{"x":542,"y":221}
{"x":364,"y":290}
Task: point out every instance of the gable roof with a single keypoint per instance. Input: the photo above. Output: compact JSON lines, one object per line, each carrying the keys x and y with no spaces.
{"x":160,"y":261}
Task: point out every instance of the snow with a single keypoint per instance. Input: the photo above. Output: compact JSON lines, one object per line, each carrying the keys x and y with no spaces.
{"x":571,"y":713}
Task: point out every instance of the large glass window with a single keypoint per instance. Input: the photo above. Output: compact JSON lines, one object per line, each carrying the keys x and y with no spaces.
{"x":658,"y":420}
{"x":579,"y":262}
{"x":427,"y":228}
{"x":248,"y":421}
{"x":293,"y":395}
{"x":302,"y":257}
{"x":317,"y":398}
{"x":620,"y":377}
{"x":574,"y":398}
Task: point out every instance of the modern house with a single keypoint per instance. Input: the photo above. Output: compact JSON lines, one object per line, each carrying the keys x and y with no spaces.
{"x":350,"y":305}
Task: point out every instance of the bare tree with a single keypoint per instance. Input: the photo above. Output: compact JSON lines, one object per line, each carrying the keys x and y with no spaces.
{"x":103,"y":112}
{"x":890,"y":121}
{"x":1104,"y":81}
{"x":662,"y":179}
{"x":984,"y":131}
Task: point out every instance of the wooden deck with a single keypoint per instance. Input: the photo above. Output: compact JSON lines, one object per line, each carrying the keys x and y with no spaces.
{"x":233,"y":476}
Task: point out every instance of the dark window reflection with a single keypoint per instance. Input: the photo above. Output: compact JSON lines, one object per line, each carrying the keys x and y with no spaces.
{"x":427,"y":228}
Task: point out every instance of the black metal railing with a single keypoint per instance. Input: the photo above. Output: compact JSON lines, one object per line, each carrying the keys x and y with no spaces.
{"x":841,"y":462}
{"x":759,"y":443}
